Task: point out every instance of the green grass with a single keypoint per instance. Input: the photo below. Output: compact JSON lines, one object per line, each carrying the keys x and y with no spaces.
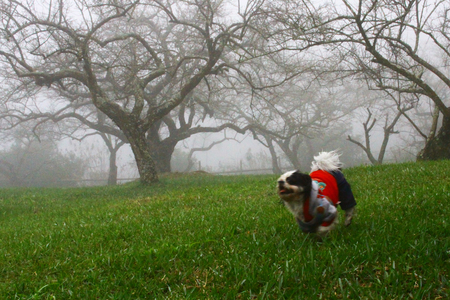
{"x":214,"y":237}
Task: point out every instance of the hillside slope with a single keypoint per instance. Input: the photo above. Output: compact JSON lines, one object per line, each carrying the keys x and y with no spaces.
{"x":227,"y":237}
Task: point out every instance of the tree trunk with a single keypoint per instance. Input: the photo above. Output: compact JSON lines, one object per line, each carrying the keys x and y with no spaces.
{"x":292,"y":156}
{"x":112,"y":176}
{"x":438,"y":146}
{"x":112,"y":148}
{"x":276,"y":169}
{"x":145,"y":164}
{"x":162,"y":154}
{"x":7,"y":169}
{"x":160,"y":150}
{"x":144,"y":161}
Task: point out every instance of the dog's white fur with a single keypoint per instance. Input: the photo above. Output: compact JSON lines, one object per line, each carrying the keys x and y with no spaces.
{"x":294,"y":198}
{"x":327,"y":161}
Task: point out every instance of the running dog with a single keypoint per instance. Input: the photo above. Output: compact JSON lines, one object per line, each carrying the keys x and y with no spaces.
{"x":313,"y":198}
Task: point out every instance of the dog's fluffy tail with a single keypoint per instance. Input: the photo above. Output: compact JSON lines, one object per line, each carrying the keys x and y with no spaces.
{"x":327,"y":161}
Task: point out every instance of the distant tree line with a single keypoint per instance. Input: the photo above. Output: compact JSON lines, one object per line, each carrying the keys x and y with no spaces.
{"x":28,"y":161}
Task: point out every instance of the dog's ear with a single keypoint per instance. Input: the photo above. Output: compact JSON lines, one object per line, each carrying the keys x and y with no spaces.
{"x":301,"y":180}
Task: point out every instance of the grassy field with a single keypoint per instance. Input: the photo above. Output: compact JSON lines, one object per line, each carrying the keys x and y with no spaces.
{"x":214,"y":237}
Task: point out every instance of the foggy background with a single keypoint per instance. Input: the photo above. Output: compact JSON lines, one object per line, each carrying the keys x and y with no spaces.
{"x":279,"y":82}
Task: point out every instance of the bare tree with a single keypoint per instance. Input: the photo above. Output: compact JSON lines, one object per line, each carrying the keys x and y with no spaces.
{"x":205,"y":147}
{"x":402,"y":42}
{"x":134,"y":72}
{"x":288,"y":116}
{"x":388,"y":130}
{"x":113,"y":144}
{"x":199,"y":113}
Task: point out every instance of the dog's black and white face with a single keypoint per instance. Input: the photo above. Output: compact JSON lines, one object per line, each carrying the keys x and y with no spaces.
{"x":293,"y":184}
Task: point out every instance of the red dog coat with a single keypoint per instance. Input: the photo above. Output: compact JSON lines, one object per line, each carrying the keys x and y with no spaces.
{"x":328,"y":189}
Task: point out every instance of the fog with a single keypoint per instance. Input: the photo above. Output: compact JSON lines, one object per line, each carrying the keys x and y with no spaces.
{"x":88,"y":87}
{"x":241,"y":156}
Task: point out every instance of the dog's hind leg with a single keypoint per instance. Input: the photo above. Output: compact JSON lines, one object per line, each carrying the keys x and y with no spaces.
{"x":349,"y":214}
